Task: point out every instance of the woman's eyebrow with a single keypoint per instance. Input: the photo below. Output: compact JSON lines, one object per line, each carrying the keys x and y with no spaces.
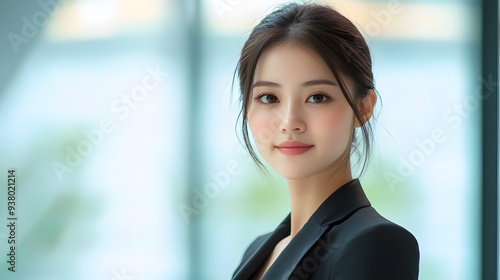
{"x":304,"y":84}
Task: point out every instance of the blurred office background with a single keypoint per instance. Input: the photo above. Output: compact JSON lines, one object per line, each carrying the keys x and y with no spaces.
{"x":119,"y":118}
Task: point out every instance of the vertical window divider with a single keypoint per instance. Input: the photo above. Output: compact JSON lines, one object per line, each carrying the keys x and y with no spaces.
{"x":489,"y":199}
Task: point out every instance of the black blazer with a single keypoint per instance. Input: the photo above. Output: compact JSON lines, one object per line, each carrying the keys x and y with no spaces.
{"x":345,"y":239}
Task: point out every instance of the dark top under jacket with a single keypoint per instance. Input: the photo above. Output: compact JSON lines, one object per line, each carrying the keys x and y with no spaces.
{"x":345,"y":239}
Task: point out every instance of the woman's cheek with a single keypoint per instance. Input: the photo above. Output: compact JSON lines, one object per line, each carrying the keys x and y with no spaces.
{"x":331,"y":121}
{"x":261,"y":129}
{"x":335,"y":126}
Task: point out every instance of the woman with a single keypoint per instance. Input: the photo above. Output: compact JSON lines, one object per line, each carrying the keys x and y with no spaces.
{"x":307,"y":91}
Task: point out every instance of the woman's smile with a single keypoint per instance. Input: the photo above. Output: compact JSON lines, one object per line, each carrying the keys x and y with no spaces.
{"x":293,"y":148}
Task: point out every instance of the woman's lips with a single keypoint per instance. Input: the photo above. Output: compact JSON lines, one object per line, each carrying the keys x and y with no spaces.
{"x":293,"y":151}
{"x":293,"y":147}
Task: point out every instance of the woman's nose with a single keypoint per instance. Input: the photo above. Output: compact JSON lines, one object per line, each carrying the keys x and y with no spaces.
{"x":291,"y":122}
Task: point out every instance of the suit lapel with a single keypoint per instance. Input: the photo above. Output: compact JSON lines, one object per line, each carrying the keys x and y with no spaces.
{"x":255,"y":261}
{"x":284,"y":265}
{"x":335,"y":209}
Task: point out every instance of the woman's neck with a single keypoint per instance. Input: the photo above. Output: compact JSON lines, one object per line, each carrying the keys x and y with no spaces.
{"x":307,"y":194}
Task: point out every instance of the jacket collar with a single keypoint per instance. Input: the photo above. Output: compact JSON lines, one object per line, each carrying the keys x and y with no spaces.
{"x":343,"y":202}
{"x":336,"y":208}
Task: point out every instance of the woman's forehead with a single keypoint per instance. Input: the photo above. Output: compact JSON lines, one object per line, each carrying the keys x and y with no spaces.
{"x":291,"y":61}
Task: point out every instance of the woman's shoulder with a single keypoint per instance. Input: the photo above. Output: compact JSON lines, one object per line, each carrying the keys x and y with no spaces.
{"x":378,"y":247}
{"x":368,"y":231}
{"x":367,"y":221}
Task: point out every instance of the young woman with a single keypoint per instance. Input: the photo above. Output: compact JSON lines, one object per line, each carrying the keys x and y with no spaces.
{"x":307,"y":93}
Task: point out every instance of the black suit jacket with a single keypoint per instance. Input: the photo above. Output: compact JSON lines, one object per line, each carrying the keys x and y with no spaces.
{"x":345,"y":239}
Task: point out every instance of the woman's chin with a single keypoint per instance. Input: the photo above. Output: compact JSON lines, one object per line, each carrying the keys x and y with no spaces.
{"x":293,"y":173}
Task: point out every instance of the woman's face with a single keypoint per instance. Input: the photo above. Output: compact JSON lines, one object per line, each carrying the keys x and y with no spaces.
{"x":295,"y":97}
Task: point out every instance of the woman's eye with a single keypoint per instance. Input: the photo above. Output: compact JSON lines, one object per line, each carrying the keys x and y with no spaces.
{"x":266,"y":98}
{"x":318,"y":98}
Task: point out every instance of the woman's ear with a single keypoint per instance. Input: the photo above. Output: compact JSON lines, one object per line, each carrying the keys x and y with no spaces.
{"x":367,"y":106}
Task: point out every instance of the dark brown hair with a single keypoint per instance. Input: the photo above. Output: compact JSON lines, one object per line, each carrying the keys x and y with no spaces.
{"x":334,"y":38}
